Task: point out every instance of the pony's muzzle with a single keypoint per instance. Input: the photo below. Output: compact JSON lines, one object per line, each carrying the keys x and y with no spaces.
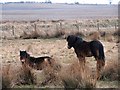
{"x":23,"y":61}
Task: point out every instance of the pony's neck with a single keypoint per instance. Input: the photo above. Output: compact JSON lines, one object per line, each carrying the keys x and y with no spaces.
{"x":31,"y":58}
{"x":28,"y":56}
{"x":78,"y":44}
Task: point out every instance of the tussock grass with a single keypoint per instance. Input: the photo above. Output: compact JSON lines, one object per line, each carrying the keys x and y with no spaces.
{"x":74,"y":77}
{"x":94,"y":35}
{"x":51,"y":75}
{"x":60,"y":28}
{"x":111,"y":71}
{"x":27,"y":76}
{"x":16,"y":75}
{"x":70,"y":77}
{"x":6,"y":80}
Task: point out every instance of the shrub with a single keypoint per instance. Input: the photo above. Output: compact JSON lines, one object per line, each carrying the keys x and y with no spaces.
{"x":6,"y":80}
{"x":12,"y":75}
{"x":26,"y":76}
{"x":32,"y":35}
{"x":51,"y":74}
{"x":111,"y":71}
{"x":74,"y":78}
{"x":94,"y":35}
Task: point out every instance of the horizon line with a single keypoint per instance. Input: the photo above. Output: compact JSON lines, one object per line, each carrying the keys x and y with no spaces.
{"x":57,"y":3}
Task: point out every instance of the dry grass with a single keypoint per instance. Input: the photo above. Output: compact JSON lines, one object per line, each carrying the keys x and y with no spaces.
{"x":70,"y":77}
{"x":101,"y":35}
{"x":49,"y":34}
{"x":112,"y":68}
{"x":51,"y":75}
{"x":16,"y":75}
{"x":6,"y":80}
{"x":27,"y":75}
{"x":74,"y":77}
{"x":57,"y":75}
{"x":95,"y":35}
{"x":33,"y":34}
{"x":111,"y":71}
{"x":58,"y":29}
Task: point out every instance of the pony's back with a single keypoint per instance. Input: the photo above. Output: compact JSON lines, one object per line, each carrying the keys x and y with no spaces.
{"x":97,"y":49}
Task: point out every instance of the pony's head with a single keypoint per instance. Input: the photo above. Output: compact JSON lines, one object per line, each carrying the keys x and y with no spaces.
{"x":23,"y":56}
{"x":72,"y":39}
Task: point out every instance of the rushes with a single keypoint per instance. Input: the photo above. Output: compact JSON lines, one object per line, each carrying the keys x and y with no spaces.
{"x":16,"y":75}
{"x":73,"y":77}
{"x":111,"y":71}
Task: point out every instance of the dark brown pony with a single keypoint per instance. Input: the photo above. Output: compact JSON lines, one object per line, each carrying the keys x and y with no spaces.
{"x":36,"y":63}
{"x":87,"y":49}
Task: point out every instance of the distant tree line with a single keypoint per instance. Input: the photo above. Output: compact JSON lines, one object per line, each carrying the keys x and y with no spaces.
{"x":28,"y":2}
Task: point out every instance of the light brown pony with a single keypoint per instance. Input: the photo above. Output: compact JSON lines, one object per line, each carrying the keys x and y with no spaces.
{"x":37,"y":63}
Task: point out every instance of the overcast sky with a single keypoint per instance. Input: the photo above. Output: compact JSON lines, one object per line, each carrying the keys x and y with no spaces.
{"x":70,"y":1}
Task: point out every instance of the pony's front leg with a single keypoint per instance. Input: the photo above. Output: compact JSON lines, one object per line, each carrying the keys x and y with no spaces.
{"x":82,"y":63}
{"x":100,"y":67}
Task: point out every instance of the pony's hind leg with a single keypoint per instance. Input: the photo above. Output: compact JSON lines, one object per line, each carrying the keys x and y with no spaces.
{"x":100,"y":67}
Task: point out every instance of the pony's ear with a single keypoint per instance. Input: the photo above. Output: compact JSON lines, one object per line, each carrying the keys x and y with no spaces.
{"x":68,"y":38}
{"x":79,"y":38}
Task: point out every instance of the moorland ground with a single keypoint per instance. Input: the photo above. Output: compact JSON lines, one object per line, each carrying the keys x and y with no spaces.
{"x":40,"y":36}
{"x":58,"y":49}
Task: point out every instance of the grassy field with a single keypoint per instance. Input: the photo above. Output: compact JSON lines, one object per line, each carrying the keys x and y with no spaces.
{"x":45,"y":33}
{"x":13,"y":75}
{"x":106,"y":28}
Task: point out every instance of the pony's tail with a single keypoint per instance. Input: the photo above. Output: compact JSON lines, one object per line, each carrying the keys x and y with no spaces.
{"x":101,"y":53}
